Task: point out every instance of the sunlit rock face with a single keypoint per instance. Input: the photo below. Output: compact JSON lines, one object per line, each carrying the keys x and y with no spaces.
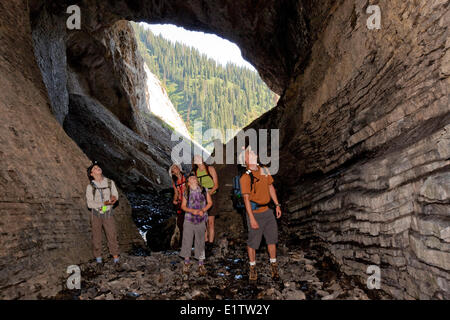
{"x":363,"y":118}
{"x":158,"y":103}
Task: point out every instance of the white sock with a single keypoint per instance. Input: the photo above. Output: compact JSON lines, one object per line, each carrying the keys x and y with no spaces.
{"x":273,"y":260}
{"x":253,"y":263}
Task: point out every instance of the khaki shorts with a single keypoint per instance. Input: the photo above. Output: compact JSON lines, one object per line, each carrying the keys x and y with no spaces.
{"x":267,"y":227}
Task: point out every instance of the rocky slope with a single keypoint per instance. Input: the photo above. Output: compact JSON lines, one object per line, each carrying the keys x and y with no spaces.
{"x":159,"y":104}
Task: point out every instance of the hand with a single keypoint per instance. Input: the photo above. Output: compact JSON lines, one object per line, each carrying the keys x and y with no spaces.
{"x":113,"y":200}
{"x":254,"y":224}
{"x":107,"y":203}
{"x":200,"y":213}
{"x":278,"y":211}
{"x":175,"y":202}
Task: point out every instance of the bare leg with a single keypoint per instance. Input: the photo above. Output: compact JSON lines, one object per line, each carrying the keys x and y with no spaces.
{"x":211,"y":229}
{"x":272,"y":248}
{"x":251,"y":254}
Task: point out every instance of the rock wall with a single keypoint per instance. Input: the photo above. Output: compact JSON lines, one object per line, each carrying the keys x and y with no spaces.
{"x":109,"y":115}
{"x":365,"y":145}
{"x":363,"y":118}
{"x":100,"y":64}
{"x":44,"y":224}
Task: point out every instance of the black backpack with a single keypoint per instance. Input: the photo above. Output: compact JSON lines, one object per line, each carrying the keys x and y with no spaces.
{"x":238,"y":200}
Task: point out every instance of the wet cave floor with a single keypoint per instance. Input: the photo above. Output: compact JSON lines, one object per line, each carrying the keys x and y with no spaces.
{"x":155,"y":273}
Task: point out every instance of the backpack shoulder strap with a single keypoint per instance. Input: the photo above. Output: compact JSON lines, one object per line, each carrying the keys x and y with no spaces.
{"x":109,"y":185}
{"x":94,"y":188}
{"x":252,"y":178}
{"x":207,"y":170}
{"x":183,"y":180}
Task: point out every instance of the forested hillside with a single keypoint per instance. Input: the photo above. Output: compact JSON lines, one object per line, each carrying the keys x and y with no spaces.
{"x":200,"y":89}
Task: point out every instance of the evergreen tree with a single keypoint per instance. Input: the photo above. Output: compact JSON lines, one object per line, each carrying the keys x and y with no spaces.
{"x":223,"y":97}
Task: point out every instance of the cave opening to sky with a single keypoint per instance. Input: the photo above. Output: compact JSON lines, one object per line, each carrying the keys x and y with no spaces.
{"x":208,"y":82}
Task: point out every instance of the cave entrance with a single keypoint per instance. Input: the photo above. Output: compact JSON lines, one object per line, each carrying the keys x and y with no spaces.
{"x":195,"y":82}
{"x":208,"y":82}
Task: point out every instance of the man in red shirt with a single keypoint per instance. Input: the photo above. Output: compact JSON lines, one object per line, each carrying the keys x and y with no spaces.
{"x":257,"y":190}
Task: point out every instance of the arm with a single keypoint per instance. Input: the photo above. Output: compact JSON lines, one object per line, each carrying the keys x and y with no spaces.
{"x":186,"y":209}
{"x":273,"y":195}
{"x":213,"y":173}
{"x":114,"y":193}
{"x":175,"y":194}
{"x":91,"y":203}
{"x":209,"y":203}
{"x":248,"y":208}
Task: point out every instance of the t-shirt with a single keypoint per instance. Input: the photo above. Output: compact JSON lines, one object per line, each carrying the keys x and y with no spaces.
{"x":197,"y":200}
{"x":260,"y":192}
{"x":205,"y":179}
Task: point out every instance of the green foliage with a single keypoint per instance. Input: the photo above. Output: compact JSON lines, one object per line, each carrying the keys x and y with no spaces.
{"x":227,"y":97}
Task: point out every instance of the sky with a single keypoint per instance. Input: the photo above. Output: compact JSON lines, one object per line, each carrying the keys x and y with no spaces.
{"x":213,"y":46}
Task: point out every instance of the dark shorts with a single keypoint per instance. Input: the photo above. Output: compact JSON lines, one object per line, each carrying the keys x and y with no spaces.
{"x":267,"y":228}
{"x":212,"y":212}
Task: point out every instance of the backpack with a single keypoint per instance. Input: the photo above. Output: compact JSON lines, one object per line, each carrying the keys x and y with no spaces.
{"x":177,"y":185}
{"x":238,"y":199}
{"x":183,"y":181}
{"x":95,"y":188}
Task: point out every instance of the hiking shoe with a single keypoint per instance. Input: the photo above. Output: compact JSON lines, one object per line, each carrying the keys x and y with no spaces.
{"x":118,"y":267}
{"x":202,"y":270}
{"x":253,"y":275}
{"x":274,"y":268}
{"x":186,"y":268}
{"x":98,"y":267}
{"x":208,"y":248}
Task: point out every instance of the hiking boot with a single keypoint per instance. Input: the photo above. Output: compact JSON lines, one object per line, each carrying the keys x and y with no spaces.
{"x":208,"y":248}
{"x":186,"y":269}
{"x":202,"y":270}
{"x":253,"y":275}
{"x":274,"y":268}
{"x":98,"y":267}
{"x":118,"y":267}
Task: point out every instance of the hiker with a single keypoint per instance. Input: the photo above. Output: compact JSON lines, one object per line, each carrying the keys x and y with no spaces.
{"x":178,"y":183}
{"x":101,"y":195}
{"x":195,"y":203}
{"x":208,"y":178}
{"x":257,"y":190}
